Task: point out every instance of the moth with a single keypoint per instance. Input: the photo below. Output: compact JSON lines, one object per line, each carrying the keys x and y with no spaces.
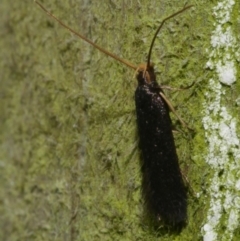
{"x":163,"y":187}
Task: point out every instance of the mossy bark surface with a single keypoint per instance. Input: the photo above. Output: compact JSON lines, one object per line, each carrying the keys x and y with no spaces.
{"x":69,"y":157}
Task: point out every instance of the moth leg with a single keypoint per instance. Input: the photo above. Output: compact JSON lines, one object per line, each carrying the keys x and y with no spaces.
{"x":145,"y":73}
{"x":173,"y":110}
{"x":135,"y":72}
{"x":188,"y":184}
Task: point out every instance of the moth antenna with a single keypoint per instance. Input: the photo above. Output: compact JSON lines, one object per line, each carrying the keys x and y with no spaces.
{"x":159,"y":28}
{"x":86,"y":39}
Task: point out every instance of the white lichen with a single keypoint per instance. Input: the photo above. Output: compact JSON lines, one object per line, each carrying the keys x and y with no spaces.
{"x":220,"y":131}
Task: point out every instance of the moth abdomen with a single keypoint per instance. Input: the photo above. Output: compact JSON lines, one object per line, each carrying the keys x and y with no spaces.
{"x":163,"y":187}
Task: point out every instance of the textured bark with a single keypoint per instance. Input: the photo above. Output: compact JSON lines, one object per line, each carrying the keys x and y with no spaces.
{"x":69,"y":148}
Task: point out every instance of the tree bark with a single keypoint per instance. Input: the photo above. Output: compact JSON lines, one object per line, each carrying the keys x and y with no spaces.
{"x":69,"y":154}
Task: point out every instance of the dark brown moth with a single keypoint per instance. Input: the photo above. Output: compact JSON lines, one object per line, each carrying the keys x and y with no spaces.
{"x":163,"y":187}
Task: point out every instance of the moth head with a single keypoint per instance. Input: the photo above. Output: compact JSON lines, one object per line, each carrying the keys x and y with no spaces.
{"x":145,"y":73}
